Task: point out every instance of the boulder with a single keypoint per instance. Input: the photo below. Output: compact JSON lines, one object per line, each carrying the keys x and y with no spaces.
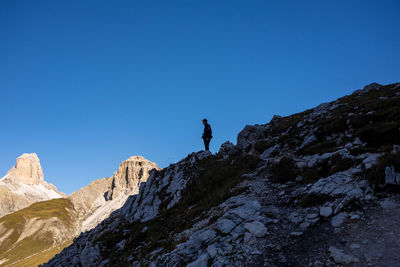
{"x":258,"y":229}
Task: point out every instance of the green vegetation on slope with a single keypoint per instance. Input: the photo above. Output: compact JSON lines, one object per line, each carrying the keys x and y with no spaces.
{"x":16,"y":246}
{"x":41,"y":257}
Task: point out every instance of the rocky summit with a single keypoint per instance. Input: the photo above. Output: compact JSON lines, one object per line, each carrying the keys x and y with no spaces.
{"x":317,"y":188}
{"x":24,"y":184}
{"x":40,"y":229}
{"x":100,"y":198}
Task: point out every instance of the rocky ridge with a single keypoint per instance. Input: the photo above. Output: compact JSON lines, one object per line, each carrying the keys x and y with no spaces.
{"x":100,"y":198}
{"x":309,"y":189}
{"x":44,"y":225}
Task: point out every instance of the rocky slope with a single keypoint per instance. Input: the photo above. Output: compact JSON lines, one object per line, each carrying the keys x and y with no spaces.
{"x":43,"y":226}
{"x":310,"y":189}
{"x":24,"y":184}
{"x":96,"y":201}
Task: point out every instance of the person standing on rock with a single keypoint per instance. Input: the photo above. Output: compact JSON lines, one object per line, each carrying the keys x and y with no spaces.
{"x":207,"y":134}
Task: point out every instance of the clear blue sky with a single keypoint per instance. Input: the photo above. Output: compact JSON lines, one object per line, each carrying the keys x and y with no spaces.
{"x":86,"y":84}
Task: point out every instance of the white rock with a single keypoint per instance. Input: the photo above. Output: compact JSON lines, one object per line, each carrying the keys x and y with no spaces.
{"x":225,"y":225}
{"x":265,"y":155}
{"x":212,"y":251}
{"x":370,"y":159}
{"x":248,"y":210}
{"x":325,"y":211}
{"x":258,"y":229}
{"x":201,"y":261}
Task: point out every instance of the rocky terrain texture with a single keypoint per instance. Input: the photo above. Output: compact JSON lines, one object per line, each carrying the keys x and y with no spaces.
{"x":24,"y":184}
{"x":100,"y":198}
{"x":45,"y":225}
{"x":318,"y":188}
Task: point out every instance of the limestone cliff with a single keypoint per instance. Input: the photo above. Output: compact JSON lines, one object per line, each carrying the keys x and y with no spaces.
{"x":100,"y":198}
{"x":27,"y":169}
{"x":24,"y":184}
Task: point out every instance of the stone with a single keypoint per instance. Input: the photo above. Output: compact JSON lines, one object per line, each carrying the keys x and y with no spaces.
{"x":226,"y":149}
{"x":340,"y":257}
{"x":265,"y":155}
{"x":249,"y":238}
{"x":391,"y":176}
{"x":388,"y":204}
{"x":212,"y":251}
{"x":130,"y":174}
{"x":257,"y":228}
{"x":249,"y":135}
{"x":325,"y":211}
{"x":225,"y":225}
{"x":339,"y":219}
{"x":312,"y":216}
{"x":295,"y":218}
{"x":207,"y":236}
{"x":201,"y":261}
{"x":246,"y":211}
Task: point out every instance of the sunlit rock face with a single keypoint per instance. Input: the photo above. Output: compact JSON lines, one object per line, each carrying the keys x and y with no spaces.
{"x":100,"y":198}
{"x":27,"y":169}
{"x":24,"y":184}
{"x":130,"y":174}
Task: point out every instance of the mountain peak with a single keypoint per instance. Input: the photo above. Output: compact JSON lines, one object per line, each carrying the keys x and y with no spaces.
{"x":131,"y":172}
{"x":27,"y":169}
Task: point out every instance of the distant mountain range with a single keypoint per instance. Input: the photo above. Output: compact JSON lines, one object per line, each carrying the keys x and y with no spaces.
{"x":37,"y":220}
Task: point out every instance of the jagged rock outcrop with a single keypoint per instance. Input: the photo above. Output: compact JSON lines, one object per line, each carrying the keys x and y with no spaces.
{"x":292,"y":192}
{"x":131,"y":173}
{"x":24,"y":184}
{"x":100,"y":198}
{"x":27,"y":169}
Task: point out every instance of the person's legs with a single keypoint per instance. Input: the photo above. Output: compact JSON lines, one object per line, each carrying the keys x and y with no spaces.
{"x":207,"y":144}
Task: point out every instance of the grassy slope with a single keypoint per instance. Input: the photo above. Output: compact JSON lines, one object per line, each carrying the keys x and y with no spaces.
{"x":13,"y":250}
{"x":41,"y":257}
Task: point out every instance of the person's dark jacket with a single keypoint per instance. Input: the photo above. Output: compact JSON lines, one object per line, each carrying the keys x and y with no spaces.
{"x":207,"y":134}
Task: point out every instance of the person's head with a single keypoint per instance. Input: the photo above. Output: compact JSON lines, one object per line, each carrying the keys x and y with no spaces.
{"x":204,"y":121}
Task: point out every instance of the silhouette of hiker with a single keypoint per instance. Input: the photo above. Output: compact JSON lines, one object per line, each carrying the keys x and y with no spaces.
{"x":207,"y":134}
